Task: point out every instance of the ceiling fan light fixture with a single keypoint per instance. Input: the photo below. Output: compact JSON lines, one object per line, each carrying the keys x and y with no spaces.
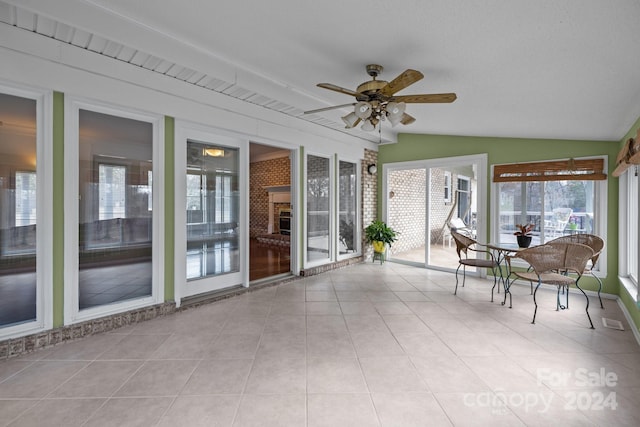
{"x":368,"y":126}
{"x":363,"y":110}
{"x":395,"y":109}
{"x":394,"y":120}
{"x":350,"y":120}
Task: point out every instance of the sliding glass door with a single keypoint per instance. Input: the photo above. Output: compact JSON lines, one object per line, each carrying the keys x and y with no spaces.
{"x":210,"y":201}
{"x":424,"y":199}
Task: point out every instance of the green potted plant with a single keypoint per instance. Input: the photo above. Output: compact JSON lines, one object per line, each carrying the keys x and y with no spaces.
{"x":523,"y":235}
{"x":380,"y":235}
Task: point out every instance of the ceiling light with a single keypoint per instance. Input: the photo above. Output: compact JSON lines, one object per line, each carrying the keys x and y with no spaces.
{"x":350,"y":120}
{"x":363,"y":110}
{"x":214,"y":152}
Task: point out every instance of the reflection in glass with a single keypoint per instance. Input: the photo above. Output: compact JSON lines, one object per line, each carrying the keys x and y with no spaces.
{"x":348,"y":206}
{"x":407,"y":213}
{"x":318,"y":205}
{"x":17,"y":211}
{"x":212,"y":210}
{"x":115,"y":216}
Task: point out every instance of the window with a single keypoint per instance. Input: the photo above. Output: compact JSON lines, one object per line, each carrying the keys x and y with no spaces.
{"x":26,"y":222}
{"x":557,"y":204}
{"x":348,"y":201}
{"x":112,"y":227}
{"x":111,"y":191}
{"x":629,"y":188}
{"x":318,"y":199}
{"x":447,"y":186}
{"x":25,"y":198}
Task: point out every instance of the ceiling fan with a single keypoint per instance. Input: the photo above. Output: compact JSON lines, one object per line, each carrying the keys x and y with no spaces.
{"x":376,"y":99}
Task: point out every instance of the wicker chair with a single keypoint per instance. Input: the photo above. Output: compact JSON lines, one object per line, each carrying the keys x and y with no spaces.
{"x":597,"y":246}
{"x":550,"y":264}
{"x":464,"y":245}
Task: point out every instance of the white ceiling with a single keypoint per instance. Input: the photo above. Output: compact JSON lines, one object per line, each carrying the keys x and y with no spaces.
{"x":566,"y":69}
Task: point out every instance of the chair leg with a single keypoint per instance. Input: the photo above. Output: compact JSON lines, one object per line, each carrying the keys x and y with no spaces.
{"x":599,"y":289}
{"x":535,"y":310}
{"x":506,"y":285}
{"x":456,"y":291}
{"x":495,"y":282}
{"x":587,"y":308}
{"x":559,"y":305}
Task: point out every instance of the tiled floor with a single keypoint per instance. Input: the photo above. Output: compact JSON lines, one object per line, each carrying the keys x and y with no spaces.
{"x":368,"y":345}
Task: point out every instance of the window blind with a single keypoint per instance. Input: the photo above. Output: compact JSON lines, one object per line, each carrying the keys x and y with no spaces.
{"x":562,"y":170}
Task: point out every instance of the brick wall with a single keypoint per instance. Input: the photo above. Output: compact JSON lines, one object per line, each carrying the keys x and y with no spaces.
{"x":263,"y":174}
{"x":369,"y":197}
{"x":407,"y":210}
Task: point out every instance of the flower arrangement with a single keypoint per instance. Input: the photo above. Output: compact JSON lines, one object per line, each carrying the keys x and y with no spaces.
{"x":524,"y":229}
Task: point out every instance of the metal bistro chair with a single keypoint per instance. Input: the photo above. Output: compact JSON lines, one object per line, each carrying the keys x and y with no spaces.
{"x":550,"y":263}
{"x":596,"y":243}
{"x":465,"y":244}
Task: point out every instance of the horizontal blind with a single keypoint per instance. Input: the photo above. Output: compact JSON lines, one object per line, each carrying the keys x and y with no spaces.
{"x":563,"y":170}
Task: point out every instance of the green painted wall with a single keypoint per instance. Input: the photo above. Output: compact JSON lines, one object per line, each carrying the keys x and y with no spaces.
{"x":58,"y":209}
{"x":169,"y":213}
{"x":513,"y":150}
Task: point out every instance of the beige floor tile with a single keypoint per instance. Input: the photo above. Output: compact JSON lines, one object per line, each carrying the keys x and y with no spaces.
{"x":423,"y":345}
{"x":273,"y":410}
{"x":280,"y":375}
{"x":134,"y":347}
{"x":201,"y":411}
{"x":359,"y":324}
{"x":317,"y":295}
{"x":326,"y":325}
{"x":286,"y":324}
{"x":99,"y":379}
{"x":285,"y":345}
{"x":218,"y":376}
{"x":361,"y":308}
{"x":292,"y":308}
{"x":405,"y":324}
{"x":245,"y":325}
{"x":325,"y":308}
{"x":376,"y":344}
{"x":179,"y":346}
{"x":158,"y":378}
{"x":59,"y":412}
{"x":409,"y":410}
{"x":411,"y":296}
{"x":39,"y":379}
{"x":341,"y":410}
{"x":335,"y":375}
{"x":477,"y":409}
{"x":229,"y":346}
{"x":448,"y":374}
{"x":391,"y":375}
{"x":84,"y":349}
{"x":11,"y":367}
{"x":391,"y":307}
{"x":11,"y":409}
{"x":334,"y":345}
{"x":130,"y":412}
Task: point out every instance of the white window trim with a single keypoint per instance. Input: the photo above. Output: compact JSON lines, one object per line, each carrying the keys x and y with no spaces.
{"x":44,"y":218}
{"x":447,"y":186}
{"x":625,"y":199}
{"x":332,"y":208}
{"x":190,"y":131}
{"x":600,"y":209}
{"x":481,"y":160}
{"x":357,"y":225}
{"x":72,"y":313}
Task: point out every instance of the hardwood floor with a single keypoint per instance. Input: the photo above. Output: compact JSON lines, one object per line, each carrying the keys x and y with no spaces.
{"x":268,"y":260}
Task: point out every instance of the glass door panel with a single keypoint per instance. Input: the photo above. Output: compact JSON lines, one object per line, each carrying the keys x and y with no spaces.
{"x":115,"y":215}
{"x":407,"y":213}
{"x":212,"y":210}
{"x":318,"y":208}
{"x":18,"y":190}
{"x":348,"y":208}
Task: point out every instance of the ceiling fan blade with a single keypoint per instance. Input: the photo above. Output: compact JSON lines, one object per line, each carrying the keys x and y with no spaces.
{"x":329,"y":108}
{"x":426,"y":98}
{"x":407,"y":119}
{"x":338,"y":89}
{"x":405,"y":79}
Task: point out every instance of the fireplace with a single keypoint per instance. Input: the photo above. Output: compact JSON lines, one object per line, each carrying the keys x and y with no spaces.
{"x":284,"y":221}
